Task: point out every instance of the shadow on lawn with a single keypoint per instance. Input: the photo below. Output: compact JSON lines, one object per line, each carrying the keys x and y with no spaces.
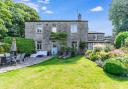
{"x":57,"y":61}
{"x":117,"y":78}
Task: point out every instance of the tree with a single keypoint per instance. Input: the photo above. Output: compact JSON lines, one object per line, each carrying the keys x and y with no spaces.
{"x":21,"y":13}
{"x":13,"y":16}
{"x":5,"y":19}
{"x":119,"y":15}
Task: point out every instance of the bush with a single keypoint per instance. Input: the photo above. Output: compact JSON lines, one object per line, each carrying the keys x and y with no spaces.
{"x":4,"y":48}
{"x":116,"y":53}
{"x":115,"y":66}
{"x":103,"y":55}
{"x":98,"y":48}
{"x":23,"y":45}
{"x":126,"y":42}
{"x":108,"y":48}
{"x":120,"y":39}
{"x":88,"y":53}
{"x":94,"y":57}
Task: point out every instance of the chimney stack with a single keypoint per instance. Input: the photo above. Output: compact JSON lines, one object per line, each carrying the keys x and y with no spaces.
{"x":79,"y":17}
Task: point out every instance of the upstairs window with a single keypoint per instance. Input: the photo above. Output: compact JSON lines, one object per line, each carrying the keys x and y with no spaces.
{"x":94,"y":36}
{"x":54,"y":29}
{"x":39,"y":28}
{"x":74,"y":28}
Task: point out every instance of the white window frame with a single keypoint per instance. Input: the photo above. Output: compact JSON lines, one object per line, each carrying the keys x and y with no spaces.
{"x":74,"y":28}
{"x":39,"y":45}
{"x":39,"y":28}
{"x":54,"y":29}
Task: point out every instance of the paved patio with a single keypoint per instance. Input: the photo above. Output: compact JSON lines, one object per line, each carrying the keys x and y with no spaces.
{"x":29,"y":62}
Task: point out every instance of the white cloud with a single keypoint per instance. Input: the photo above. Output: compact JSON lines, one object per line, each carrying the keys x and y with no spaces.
{"x":48,"y":12}
{"x":97,"y":9}
{"x":44,"y":1}
{"x":44,"y":8}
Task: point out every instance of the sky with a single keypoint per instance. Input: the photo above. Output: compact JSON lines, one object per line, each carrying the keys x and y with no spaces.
{"x":96,"y":12}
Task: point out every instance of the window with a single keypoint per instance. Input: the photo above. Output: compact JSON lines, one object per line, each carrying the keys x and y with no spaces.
{"x":39,"y":29}
{"x":95,"y":37}
{"x":54,"y":29}
{"x":100,"y":37}
{"x":39,"y":45}
{"x":73,"y":28}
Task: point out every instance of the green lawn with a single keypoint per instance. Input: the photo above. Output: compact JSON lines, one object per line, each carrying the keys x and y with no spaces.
{"x":74,"y":73}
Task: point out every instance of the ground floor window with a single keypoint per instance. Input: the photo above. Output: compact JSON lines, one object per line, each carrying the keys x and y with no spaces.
{"x":90,"y":46}
{"x":74,"y":44}
{"x":39,"y":45}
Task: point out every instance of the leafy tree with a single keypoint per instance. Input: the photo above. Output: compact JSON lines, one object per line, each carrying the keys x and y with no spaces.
{"x":5,"y":19}
{"x":119,"y":15}
{"x":22,"y":13}
{"x":12,"y":18}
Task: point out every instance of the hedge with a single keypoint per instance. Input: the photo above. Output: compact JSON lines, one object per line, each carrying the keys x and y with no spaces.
{"x":23,"y":45}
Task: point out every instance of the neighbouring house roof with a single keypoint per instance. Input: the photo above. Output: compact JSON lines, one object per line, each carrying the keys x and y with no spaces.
{"x":59,"y":21}
{"x":94,"y":32}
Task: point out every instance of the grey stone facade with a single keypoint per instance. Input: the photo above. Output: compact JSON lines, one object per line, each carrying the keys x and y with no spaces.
{"x":40,"y":32}
{"x":98,"y":38}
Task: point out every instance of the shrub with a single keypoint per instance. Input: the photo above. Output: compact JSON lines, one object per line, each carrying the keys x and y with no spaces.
{"x":4,"y":48}
{"x":98,"y":48}
{"x":108,"y":48}
{"x":116,"y":53}
{"x":88,"y":53}
{"x":23,"y":45}
{"x":103,"y":55}
{"x":115,"y":66}
{"x":94,"y":57}
{"x":120,"y":39}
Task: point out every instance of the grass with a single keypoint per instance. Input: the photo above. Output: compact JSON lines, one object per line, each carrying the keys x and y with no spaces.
{"x":74,"y":73}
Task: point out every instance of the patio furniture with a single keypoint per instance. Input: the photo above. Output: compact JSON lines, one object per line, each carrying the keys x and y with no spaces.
{"x":16,"y":59}
{"x":22,"y":57}
{"x":3,"y":61}
{"x":9,"y":60}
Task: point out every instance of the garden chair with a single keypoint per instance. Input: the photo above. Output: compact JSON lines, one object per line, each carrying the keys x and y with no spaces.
{"x":17,"y":58}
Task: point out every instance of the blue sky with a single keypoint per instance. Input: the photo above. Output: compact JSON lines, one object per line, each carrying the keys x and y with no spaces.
{"x":95,"y":11}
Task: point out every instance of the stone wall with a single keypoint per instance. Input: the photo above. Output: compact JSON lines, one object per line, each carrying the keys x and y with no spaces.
{"x":30,"y":32}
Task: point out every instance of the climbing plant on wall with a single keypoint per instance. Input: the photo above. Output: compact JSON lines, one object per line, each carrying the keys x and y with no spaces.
{"x":61,"y":37}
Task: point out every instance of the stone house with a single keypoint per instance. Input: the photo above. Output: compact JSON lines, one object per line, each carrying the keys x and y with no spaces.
{"x":39,"y":31}
{"x":98,"y":38}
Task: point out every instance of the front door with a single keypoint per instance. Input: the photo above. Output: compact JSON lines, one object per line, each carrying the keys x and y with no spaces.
{"x":54,"y":50}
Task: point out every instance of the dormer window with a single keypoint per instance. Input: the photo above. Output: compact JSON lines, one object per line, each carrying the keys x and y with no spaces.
{"x":74,"y":28}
